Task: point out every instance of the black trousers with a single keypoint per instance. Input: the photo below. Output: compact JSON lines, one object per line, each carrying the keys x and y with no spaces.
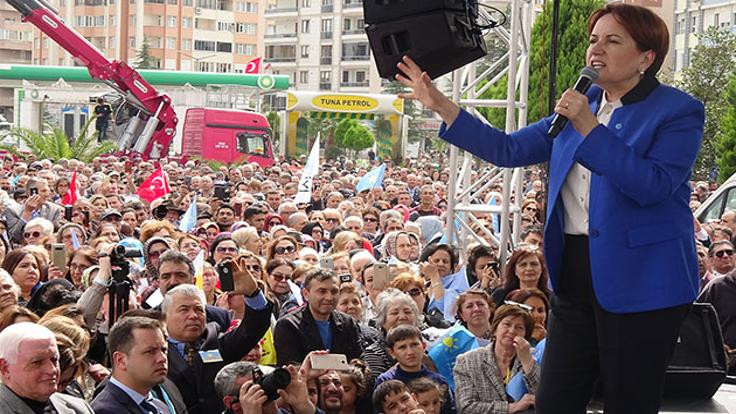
{"x":628,"y":353}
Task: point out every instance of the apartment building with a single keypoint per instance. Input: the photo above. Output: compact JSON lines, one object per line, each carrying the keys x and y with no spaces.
{"x":188,"y":35}
{"x":321,"y":45}
{"x":16,"y":39}
{"x":693,"y":17}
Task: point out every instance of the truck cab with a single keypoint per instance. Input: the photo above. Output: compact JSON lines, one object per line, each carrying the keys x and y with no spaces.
{"x":228,"y":136}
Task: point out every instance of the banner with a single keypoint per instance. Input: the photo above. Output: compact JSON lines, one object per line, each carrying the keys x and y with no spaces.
{"x":310,"y":171}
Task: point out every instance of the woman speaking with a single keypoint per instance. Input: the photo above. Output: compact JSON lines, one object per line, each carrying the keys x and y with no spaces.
{"x":619,"y":240}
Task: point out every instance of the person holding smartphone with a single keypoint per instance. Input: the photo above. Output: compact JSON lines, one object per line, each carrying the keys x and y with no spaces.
{"x":37,"y":205}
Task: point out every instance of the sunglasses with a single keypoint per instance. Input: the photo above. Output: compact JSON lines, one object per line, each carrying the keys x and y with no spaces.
{"x":520,"y":305}
{"x":224,"y":249}
{"x":414,"y":292}
{"x":332,"y":220}
{"x":719,"y":253}
{"x":285,"y":249}
{"x":154,"y":255}
{"x":36,"y":234}
{"x":370,"y":219}
{"x":279,"y":277}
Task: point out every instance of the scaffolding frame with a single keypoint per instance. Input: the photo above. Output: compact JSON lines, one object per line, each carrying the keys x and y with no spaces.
{"x":462,"y":192}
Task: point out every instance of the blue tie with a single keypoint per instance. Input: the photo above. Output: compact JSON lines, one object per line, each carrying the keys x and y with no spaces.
{"x":149,"y":408}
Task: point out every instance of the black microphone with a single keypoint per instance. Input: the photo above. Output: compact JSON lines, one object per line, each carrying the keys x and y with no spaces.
{"x":587,"y":76}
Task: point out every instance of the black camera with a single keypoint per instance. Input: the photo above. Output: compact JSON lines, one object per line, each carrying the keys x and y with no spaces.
{"x":493,"y":266}
{"x":119,"y":262}
{"x":221,"y":190}
{"x":279,"y":379}
{"x":345,"y":278}
{"x":160,"y":212}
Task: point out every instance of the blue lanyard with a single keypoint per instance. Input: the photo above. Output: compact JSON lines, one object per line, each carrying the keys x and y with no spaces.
{"x":167,"y":400}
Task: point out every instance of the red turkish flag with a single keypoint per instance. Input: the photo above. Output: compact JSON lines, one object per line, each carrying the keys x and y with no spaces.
{"x":70,"y":198}
{"x":155,"y":186}
{"x":254,"y":66}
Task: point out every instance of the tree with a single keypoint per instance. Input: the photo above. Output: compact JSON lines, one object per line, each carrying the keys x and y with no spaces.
{"x":341,"y":131}
{"x":727,"y":143}
{"x":358,"y":138}
{"x":711,"y":63}
{"x":55,"y":145}
{"x":274,"y":120}
{"x":410,"y":108}
{"x":573,"y":42}
{"x":144,"y":60}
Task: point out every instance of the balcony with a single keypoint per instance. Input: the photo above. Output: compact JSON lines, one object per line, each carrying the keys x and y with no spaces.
{"x":279,"y":35}
{"x":325,"y":61}
{"x":353,"y":32}
{"x":276,"y":10}
{"x":327,"y":8}
{"x":325,"y":86}
{"x":352,"y":4}
{"x":363,"y":84}
{"x":325,"y":35}
{"x":353,"y":58}
{"x":288,"y":59}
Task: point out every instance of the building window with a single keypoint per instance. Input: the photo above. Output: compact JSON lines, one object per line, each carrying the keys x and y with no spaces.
{"x":360,"y":76}
{"x":188,"y":3}
{"x":224,"y":26}
{"x":716,"y":19}
{"x":325,"y":76}
{"x":346,"y":24}
{"x":171,"y":43}
{"x":304,"y":76}
{"x":306,"y":3}
{"x":206,"y":45}
{"x":171,"y":21}
{"x":345,"y":76}
{"x":326,"y":25}
{"x":304,"y":51}
{"x":693,"y":23}
{"x":186,"y":44}
{"x":246,"y":28}
{"x":186,"y":22}
{"x":172,"y":2}
{"x":113,"y":20}
{"x":305,"y":26}
{"x":247,"y":7}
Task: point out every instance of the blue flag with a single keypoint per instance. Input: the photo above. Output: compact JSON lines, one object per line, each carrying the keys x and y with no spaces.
{"x":457,"y":341}
{"x":454,"y":285}
{"x":189,"y":219}
{"x":516,"y":388}
{"x":372,"y":179}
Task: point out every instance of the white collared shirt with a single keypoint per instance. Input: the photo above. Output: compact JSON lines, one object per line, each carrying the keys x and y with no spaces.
{"x":575,"y":191}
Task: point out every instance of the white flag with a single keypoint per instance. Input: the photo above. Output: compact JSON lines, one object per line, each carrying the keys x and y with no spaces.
{"x":310,"y":171}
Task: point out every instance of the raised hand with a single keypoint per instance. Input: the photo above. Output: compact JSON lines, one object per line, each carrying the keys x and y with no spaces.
{"x":423,"y":90}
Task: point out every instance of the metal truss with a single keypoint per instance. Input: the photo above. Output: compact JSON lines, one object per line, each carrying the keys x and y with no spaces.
{"x":464,"y":194}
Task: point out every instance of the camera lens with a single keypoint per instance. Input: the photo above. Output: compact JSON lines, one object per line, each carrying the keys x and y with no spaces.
{"x":277,"y":380}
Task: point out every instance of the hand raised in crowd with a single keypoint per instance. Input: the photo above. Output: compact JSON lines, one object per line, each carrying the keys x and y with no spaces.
{"x":526,"y":402}
{"x":539,"y":332}
{"x":245,"y":282}
{"x":252,"y":397}
{"x":296,"y":394}
{"x":54,"y":272}
{"x":490,"y":278}
{"x":33,"y":203}
{"x":429,"y":271}
{"x":425,"y":91}
{"x":524,"y":352}
{"x":305,"y":370}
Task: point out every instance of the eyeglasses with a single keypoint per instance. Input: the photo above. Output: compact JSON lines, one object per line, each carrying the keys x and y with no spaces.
{"x":284,"y":249}
{"x":253,"y":268}
{"x":414,"y":292}
{"x":332,"y":220}
{"x":521,"y":305}
{"x":223,"y":249}
{"x":33,"y":234}
{"x":720,"y":253}
{"x":369,"y":219}
{"x":279,"y":277}
{"x":155,"y":254}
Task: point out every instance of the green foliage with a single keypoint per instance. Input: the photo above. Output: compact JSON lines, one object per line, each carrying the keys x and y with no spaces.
{"x":143,"y":59}
{"x":333,"y":152}
{"x":341,"y":131}
{"x":410,"y":108}
{"x":274,"y":120}
{"x":727,"y":143}
{"x":711,"y":62}
{"x":573,"y":42}
{"x":358,"y":138}
{"x":55,"y":145}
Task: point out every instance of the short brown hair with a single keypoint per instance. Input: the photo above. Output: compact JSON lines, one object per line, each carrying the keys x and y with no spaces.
{"x":463,"y":297}
{"x":121,"y":335}
{"x":647,"y":29}
{"x":511,"y":310}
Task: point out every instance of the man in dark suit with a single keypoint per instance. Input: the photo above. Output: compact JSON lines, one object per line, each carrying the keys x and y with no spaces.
{"x":197,"y":349}
{"x":317,"y":325}
{"x":138,"y":352}
{"x":170,"y":277}
{"x":29,"y":368}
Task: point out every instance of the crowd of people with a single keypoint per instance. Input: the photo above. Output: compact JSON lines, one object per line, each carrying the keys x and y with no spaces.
{"x":362,"y":275}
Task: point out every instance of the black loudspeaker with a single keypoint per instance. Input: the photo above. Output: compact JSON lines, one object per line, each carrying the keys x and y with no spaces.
{"x":381,"y":11}
{"x":698,"y":365}
{"x":439,"y":42}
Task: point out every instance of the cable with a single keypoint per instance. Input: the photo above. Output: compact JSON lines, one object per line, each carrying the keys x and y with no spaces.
{"x":482,"y":18}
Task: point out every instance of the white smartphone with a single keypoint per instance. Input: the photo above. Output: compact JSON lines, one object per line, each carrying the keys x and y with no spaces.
{"x":337,"y":362}
{"x":58,"y":256}
{"x":326,"y":263}
{"x":381,"y":276}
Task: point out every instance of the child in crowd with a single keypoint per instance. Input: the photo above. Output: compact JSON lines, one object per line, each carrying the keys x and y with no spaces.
{"x":429,"y":395}
{"x":405,"y":344}
{"x":393,"y":397}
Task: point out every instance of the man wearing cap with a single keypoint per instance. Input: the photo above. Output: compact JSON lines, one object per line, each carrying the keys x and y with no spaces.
{"x":113,"y":217}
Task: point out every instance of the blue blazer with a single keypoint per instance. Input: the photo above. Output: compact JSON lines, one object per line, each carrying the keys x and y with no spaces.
{"x":642,"y":248}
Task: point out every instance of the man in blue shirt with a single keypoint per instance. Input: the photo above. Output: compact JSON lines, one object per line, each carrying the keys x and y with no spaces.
{"x":317,"y":325}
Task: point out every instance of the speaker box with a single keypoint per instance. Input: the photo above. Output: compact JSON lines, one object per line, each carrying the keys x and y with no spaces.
{"x":698,"y":365}
{"x":380,"y":11}
{"x":439,"y":42}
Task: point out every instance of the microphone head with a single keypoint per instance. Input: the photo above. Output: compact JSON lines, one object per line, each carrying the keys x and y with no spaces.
{"x":589,"y":72}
